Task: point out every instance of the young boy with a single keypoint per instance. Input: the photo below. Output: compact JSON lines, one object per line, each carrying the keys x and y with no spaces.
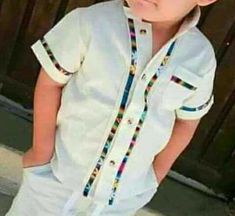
{"x":121,"y":91}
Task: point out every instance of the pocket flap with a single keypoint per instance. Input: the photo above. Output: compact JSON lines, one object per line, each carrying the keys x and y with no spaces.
{"x":182,"y":84}
{"x":186,"y":77}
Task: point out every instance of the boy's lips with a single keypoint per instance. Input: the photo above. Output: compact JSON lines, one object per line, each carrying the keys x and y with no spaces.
{"x":148,"y":1}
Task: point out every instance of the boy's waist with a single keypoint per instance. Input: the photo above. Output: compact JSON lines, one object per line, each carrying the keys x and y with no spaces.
{"x":133,"y":183}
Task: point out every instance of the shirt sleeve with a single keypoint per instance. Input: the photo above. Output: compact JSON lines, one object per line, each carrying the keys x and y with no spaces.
{"x":198,"y":104}
{"x":61,"y":50}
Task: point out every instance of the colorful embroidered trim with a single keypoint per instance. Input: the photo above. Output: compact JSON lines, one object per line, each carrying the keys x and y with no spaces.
{"x":183,"y":83}
{"x":121,"y":109}
{"x":140,"y":123}
{"x":52,"y":57}
{"x":192,"y":109}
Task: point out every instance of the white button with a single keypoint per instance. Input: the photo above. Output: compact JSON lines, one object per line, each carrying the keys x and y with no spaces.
{"x":143,"y":77}
{"x":143,"y":31}
{"x":130,"y":121}
{"x":112,"y":163}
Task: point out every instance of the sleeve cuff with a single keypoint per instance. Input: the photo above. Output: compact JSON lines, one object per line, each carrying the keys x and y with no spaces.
{"x":46,"y":62}
{"x":186,"y":112}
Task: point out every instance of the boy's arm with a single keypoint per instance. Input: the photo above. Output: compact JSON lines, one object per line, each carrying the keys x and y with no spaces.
{"x":47,"y":96}
{"x":183,"y":132}
{"x":60,"y":52}
{"x":187,"y":119}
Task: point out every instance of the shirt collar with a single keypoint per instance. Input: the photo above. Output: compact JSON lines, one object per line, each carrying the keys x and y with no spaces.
{"x":190,"y":21}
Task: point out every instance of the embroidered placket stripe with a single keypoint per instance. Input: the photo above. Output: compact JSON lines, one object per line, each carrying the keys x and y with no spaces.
{"x":52,"y":57}
{"x":183,"y":83}
{"x":119,"y":117}
{"x":192,"y":109}
{"x":140,"y":123}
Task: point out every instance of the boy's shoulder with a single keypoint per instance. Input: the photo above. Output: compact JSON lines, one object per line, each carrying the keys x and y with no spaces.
{"x":97,"y":17}
{"x":196,"y":52}
{"x":201,"y":40}
{"x":99,"y":14}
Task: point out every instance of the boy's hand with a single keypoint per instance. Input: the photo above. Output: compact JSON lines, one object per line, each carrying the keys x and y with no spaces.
{"x":47,"y":98}
{"x":182,"y":134}
{"x":30,"y":158}
{"x":158,"y":176}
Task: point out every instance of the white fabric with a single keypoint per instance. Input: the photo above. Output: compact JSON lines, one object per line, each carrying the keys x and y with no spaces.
{"x":41,"y":193}
{"x":93,"y":44}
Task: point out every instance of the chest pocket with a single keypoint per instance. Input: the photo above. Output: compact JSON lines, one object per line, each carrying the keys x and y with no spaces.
{"x":180,"y":85}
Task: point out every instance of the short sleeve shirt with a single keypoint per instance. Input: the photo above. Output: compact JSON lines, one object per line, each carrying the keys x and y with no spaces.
{"x":120,"y":102}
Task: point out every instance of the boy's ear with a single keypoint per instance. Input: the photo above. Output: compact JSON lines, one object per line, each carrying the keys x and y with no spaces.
{"x":205,"y":2}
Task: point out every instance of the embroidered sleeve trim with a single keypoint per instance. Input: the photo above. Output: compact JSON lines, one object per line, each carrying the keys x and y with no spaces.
{"x":193,"y":109}
{"x":53,"y":59}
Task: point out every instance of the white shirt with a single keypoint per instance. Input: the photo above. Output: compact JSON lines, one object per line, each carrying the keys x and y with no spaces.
{"x":99,"y":50}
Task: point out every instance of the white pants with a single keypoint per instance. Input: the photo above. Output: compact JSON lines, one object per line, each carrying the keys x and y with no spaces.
{"x":41,"y":193}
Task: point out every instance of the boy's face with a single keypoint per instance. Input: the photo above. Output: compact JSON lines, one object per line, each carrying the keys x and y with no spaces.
{"x":164,"y":10}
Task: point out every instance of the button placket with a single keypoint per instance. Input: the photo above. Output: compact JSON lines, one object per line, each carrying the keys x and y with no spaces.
{"x":144,"y":41}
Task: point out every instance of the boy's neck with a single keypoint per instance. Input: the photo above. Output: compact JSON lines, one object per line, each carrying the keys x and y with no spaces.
{"x":167,"y":28}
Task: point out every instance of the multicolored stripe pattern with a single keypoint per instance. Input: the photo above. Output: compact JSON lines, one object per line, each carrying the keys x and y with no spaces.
{"x":119,"y":116}
{"x":139,"y":125}
{"x":52,"y":57}
{"x":183,"y":83}
{"x":193,"y":109}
